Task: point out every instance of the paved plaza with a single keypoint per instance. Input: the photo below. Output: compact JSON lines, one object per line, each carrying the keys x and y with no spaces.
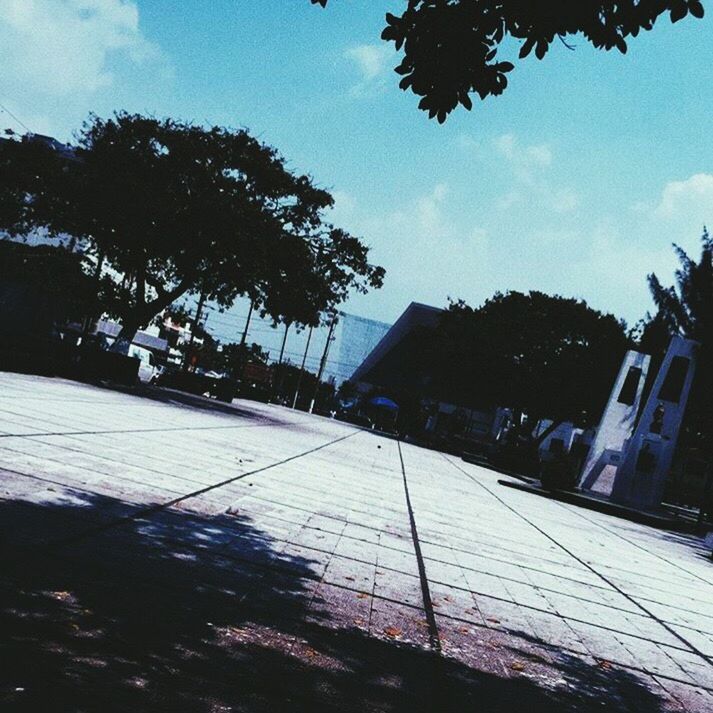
{"x":167,"y":553}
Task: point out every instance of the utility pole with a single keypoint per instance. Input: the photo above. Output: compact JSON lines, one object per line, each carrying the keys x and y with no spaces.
{"x":247,"y":324}
{"x":196,"y":321}
{"x":302,"y":368}
{"x":284,"y":341}
{"x":242,"y":356}
{"x":323,"y":361}
{"x":277,"y":387}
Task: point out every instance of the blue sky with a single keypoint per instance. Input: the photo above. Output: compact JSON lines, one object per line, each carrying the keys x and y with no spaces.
{"x":576,"y":181}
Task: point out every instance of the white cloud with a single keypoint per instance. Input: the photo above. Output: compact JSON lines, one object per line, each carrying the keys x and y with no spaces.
{"x":692,"y":197}
{"x":61,"y":47}
{"x":530,"y":164}
{"x":370,"y":59}
{"x":524,"y":158}
{"x":373,"y":63}
{"x":564,"y":200}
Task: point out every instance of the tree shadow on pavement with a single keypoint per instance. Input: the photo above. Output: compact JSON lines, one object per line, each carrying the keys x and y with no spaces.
{"x":180,"y":612}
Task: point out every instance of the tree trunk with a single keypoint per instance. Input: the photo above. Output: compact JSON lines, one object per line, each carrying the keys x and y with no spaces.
{"x":125,"y":337}
{"x":302,"y":369}
{"x":322,"y":363}
{"x":196,"y":321}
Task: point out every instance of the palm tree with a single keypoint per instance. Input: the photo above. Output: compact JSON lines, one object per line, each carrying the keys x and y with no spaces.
{"x":687,"y":309}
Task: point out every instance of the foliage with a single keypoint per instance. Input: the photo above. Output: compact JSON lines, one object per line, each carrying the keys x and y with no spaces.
{"x":547,"y":356}
{"x":176,"y":208}
{"x":58,"y":273}
{"x":686,"y":309}
{"x":453,"y":48}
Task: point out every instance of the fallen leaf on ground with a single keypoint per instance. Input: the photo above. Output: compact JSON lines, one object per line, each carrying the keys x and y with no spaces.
{"x":361,"y":595}
{"x":495,"y":621}
{"x":392,"y":631}
{"x":517,"y":666}
{"x":603,"y":663}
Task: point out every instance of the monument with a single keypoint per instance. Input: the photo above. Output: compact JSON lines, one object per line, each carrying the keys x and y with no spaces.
{"x":641,"y":477}
{"x":616,"y":426}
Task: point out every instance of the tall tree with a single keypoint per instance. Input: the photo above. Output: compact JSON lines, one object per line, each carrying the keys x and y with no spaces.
{"x":686,"y":309}
{"x":173,"y":208}
{"x":453,"y":48}
{"x":546,"y":356}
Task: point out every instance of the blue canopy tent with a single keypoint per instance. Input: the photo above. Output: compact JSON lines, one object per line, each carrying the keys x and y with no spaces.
{"x":383,"y":402}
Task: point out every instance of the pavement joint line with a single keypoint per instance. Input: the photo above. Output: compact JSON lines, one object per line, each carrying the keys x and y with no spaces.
{"x":196,"y":515}
{"x":70,"y":439}
{"x":653,"y":616}
{"x":149,"y":511}
{"x":138,"y":430}
{"x":373,"y":583}
{"x":198,"y":482}
{"x":320,"y":579}
{"x":576,"y":511}
{"x":516,"y":633}
{"x":109,"y":459}
{"x":296,"y":543}
{"x":433,"y":636}
{"x":234,"y":557}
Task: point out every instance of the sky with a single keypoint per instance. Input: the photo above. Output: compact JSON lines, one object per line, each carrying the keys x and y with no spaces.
{"x":576,"y":181}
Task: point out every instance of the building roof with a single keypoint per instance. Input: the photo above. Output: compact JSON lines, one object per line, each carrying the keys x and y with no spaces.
{"x":416,"y":315}
{"x":111,"y":329}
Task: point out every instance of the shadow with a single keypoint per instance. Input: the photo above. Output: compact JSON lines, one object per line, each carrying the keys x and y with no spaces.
{"x":174,"y":397}
{"x":181,"y":612}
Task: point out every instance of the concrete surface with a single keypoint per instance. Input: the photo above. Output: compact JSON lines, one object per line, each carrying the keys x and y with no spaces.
{"x":160,"y":556}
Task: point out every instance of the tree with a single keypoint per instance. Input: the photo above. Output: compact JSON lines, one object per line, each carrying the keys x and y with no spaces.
{"x":686,"y":309}
{"x":453,"y":48}
{"x":546,"y":356}
{"x":174,"y":209}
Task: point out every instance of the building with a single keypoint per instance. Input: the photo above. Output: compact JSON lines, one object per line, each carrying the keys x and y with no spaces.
{"x":355,"y":339}
{"x":143,"y":338}
{"x":400,"y":367}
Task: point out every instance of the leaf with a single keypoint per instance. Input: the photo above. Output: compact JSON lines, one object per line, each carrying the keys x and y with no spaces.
{"x":527,"y":48}
{"x":696,"y":9}
{"x":361,"y":595}
{"x":517,"y":666}
{"x":392,"y":632}
{"x":678,"y":12}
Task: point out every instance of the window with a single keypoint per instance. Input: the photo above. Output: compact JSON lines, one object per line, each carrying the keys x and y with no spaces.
{"x":627,"y":395}
{"x":673,"y":383}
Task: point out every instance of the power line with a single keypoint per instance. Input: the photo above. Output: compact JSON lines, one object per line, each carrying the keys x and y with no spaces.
{"x":19,"y":121}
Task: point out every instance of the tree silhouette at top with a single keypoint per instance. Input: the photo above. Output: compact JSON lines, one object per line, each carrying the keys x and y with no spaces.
{"x":452,"y":48}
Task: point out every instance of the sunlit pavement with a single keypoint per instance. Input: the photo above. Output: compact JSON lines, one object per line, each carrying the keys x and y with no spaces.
{"x":163,"y":556}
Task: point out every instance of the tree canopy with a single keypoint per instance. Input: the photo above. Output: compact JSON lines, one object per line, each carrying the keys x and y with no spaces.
{"x":174,"y":208}
{"x":546,"y":356}
{"x":686,"y":309}
{"x":454,"y":48}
